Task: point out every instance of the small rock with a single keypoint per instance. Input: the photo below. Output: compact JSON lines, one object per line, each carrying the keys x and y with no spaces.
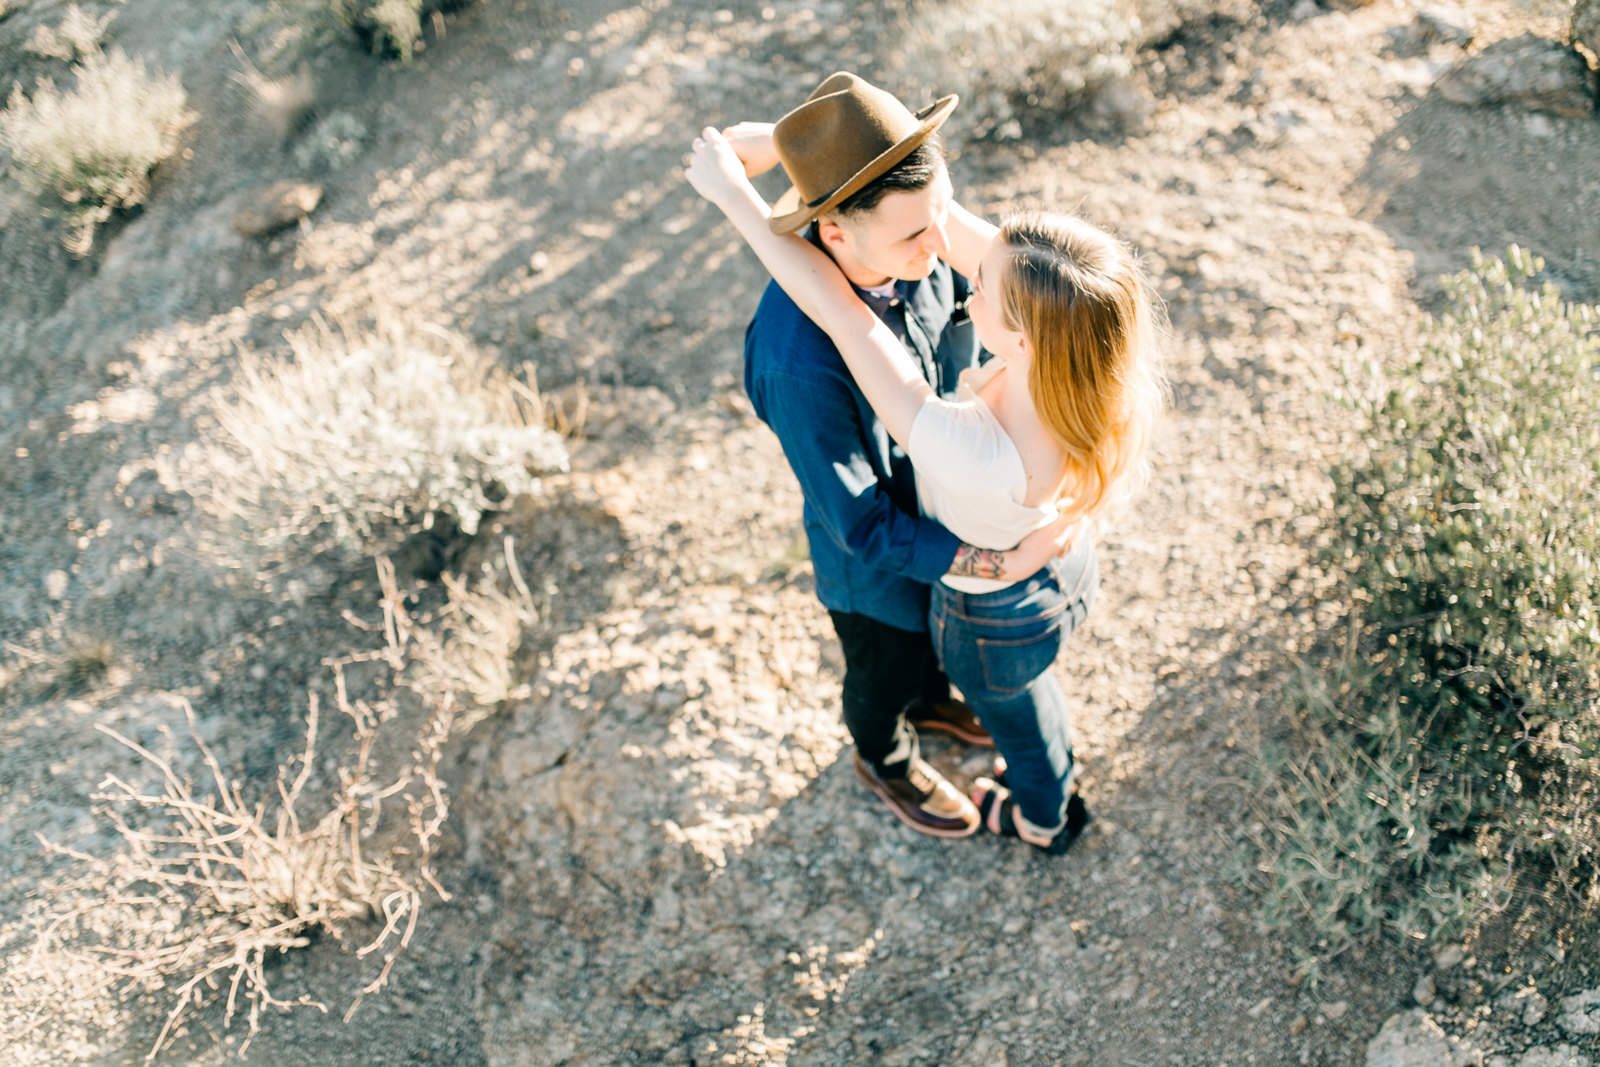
{"x":1527,"y":71}
{"x":1534,"y":1011}
{"x":1335,"y":1011}
{"x":1446,"y":25}
{"x":276,"y":207}
{"x":1449,"y":957}
{"x":55,"y":585}
{"x":538,"y":263}
{"x":1305,"y":9}
{"x":1580,"y":1013}
{"x":1586,"y":27}
{"x":1425,"y":990}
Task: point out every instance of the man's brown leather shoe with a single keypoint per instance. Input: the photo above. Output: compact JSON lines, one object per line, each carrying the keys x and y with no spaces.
{"x":950,"y":717}
{"x":924,"y":799}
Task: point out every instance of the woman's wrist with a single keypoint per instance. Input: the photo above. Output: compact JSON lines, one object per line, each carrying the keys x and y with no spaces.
{"x":744,"y":207}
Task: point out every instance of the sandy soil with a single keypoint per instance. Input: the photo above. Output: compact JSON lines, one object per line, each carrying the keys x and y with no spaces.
{"x":657,"y":854}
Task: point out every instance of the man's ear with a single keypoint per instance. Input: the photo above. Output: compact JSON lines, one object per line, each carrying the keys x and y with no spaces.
{"x":832,"y":234}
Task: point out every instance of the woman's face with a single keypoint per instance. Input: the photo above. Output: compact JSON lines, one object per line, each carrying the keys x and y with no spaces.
{"x":988,"y":316}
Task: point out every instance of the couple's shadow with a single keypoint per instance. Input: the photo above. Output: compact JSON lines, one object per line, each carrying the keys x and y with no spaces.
{"x":681,"y":902}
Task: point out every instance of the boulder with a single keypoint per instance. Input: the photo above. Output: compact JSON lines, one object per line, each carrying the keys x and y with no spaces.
{"x":1410,"y":1039}
{"x":276,"y":207}
{"x":1580,"y":1013}
{"x":1413,"y":1039}
{"x":1552,"y":1056}
{"x":1526,"y":71}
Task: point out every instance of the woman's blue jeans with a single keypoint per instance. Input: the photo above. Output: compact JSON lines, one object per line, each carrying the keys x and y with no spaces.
{"x":998,"y":648}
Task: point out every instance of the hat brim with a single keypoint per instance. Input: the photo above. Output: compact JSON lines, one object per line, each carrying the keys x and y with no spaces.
{"x":790,"y":213}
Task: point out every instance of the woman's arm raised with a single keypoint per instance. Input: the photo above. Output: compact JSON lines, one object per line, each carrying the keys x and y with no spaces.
{"x":880,"y":364}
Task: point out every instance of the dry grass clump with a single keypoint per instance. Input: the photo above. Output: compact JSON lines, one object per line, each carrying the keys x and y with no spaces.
{"x":92,"y":148}
{"x":1007,"y":59}
{"x":284,"y":104}
{"x":76,"y":36}
{"x":219,"y":877}
{"x":1442,"y":765}
{"x":363,"y":436}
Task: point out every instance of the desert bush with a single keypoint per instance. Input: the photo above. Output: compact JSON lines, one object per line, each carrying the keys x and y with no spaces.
{"x":1004,"y":59}
{"x":364,"y":436}
{"x":1444,"y":762}
{"x":213,"y":880}
{"x":331,"y":143}
{"x":92,"y":148}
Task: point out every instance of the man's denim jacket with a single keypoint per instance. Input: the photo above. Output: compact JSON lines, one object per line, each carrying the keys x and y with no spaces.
{"x":872,"y":551}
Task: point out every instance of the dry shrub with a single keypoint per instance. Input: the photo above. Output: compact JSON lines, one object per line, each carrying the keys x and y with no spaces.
{"x":1005,"y":59}
{"x":213,"y":880}
{"x":364,"y":436}
{"x":92,"y":148}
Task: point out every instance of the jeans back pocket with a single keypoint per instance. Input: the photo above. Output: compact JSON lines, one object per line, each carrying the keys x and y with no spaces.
{"x":1010,"y":664}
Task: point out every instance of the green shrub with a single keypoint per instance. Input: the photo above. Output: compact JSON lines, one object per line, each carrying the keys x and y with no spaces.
{"x":390,"y":27}
{"x":1446,"y":763}
{"x":92,"y":149}
{"x":364,"y":437}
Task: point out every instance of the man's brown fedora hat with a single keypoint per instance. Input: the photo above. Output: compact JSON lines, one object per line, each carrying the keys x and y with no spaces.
{"x":847,"y":133}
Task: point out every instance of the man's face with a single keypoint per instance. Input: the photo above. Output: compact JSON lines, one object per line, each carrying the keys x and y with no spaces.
{"x":900,"y":238}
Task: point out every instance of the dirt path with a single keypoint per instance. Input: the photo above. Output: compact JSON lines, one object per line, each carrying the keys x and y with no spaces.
{"x":658,"y":854}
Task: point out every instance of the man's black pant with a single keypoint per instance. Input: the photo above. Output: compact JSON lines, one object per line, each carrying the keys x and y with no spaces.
{"x":885,"y":670}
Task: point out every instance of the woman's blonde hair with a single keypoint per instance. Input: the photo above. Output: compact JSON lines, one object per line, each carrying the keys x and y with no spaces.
{"x":1080,"y":298}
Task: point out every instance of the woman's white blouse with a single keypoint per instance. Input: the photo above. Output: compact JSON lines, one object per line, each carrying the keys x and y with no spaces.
{"x":970,"y":476}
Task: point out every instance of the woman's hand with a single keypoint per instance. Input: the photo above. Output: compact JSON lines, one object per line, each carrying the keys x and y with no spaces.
{"x":714,"y":169}
{"x":752,"y":143}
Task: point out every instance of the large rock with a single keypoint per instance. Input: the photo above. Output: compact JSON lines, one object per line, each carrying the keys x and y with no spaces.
{"x":1525,"y":71}
{"x":1413,"y":1039}
{"x":1552,"y":1056}
{"x":1580,"y":1013}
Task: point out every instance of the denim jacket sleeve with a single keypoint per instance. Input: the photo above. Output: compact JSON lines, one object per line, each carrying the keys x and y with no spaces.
{"x":817,"y":422}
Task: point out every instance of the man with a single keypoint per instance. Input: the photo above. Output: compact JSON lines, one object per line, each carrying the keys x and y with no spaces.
{"x":872,"y":191}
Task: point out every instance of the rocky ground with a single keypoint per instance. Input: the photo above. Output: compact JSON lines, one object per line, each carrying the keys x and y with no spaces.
{"x":657,"y":854}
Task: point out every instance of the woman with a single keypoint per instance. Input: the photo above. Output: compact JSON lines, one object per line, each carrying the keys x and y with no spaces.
{"x":1056,"y":422}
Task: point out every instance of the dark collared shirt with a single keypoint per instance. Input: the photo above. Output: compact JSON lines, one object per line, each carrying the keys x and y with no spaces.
{"x":872,"y":551}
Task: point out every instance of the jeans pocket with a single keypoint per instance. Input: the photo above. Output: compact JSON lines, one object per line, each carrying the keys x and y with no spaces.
{"x":1010,"y":664}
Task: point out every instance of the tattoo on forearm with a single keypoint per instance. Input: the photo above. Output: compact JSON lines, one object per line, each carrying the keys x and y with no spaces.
{"x":973,"y":562}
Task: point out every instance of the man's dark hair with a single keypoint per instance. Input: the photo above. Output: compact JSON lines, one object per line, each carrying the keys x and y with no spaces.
{"x":916,"y":171}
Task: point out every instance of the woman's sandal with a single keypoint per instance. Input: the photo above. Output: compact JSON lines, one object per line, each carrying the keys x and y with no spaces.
{"x":1000,"y":815}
